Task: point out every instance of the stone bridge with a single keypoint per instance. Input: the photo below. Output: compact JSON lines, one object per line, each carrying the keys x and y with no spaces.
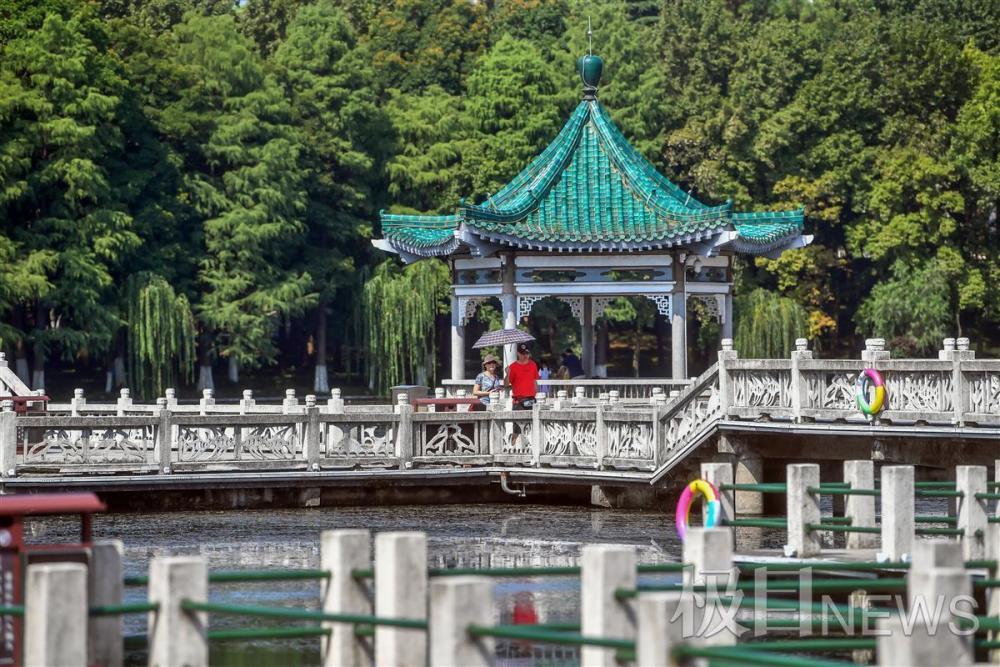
{"x":758,"y":414}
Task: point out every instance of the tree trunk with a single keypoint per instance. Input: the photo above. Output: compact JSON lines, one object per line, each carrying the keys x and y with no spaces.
{"x":234,"y":370}
{"x":38,"y":367}
{"x":120,"y":376}
{"x":205,"y":380}
{"x":321,"y":380}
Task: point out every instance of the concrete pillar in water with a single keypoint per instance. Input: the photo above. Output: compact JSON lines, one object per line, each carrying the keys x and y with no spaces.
{"x":55,"y":622}
{"x":972,"y":513}
{"x":897,"y":512}
{"x":456,"y":603}
{"x":178,"y":637}
{"x":803,"y":509}
{"x":861,"y":509}
{"x":604,"y":569}
{"x":104,"y":583}
{"x":400,"y":592}
{"x":749,"y":470}
{"x":342,"y":551}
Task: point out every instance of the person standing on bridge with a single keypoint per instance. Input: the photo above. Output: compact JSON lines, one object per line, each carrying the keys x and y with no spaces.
{"x":489,"y":380}
{"x":522,"y":378}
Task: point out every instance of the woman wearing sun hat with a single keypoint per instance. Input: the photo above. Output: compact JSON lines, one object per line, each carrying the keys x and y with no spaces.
{"x":489,"y":380}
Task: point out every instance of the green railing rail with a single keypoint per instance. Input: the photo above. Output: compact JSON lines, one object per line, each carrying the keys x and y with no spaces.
{"x":301,"y":614}
{"x":546,"y":636}
{"x":12,"y":610}
{"x":243,"y":576}
{"x":740,"y":655}
{"x":124,"y":608}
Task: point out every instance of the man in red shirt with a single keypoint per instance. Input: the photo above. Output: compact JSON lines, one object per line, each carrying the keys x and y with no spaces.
{"x":522,"y":377}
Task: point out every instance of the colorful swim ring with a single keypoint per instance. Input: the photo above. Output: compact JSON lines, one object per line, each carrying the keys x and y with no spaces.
{"x":875,"y":378}
{"x":711,"y":495}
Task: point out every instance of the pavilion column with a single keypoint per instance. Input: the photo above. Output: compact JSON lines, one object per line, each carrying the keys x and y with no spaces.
{"x":678,"y":323}
{"x":457,"y":340}
{"x":727,"y":315}
{"x":587,"y":337}
{"x":508,"y":300}
{"x":601,"y":353}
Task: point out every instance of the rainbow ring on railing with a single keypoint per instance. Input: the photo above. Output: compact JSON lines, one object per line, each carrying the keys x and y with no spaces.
{"x":683,"y":513}
{"x":861,"y":396}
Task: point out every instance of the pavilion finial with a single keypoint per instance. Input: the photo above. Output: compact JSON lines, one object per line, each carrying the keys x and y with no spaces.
{"x":590,"y":67}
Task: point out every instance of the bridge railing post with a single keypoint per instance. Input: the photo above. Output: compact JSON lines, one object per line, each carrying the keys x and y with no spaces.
{"x":406,"y":438}
{"x":164,"y":438}
{"x":897,"y":512}
{"x":104,"y":584}
{"x":972,"y":512}
{"x":400,"y":592}
{"x":177,"y":636}
{"x":665,"y":620}
{"x":602,"y":435}
{"x":726,"y":355}
{"x":78,"y":403}
{"x":8,"y":440}
{"x":537,"y":430}
{"x":207,"y":401}
{"x":860,"y":509}
{"x":55,"y":624}
{"x":124,"y":401}
{"x":719,"y":475}
{"x":456,"y":603}
{"x":800,"y":390}
{"x":604,"y":568}
{"x":312,"y":434}
{"x":342,"y":552}
{"x":803,"y":509}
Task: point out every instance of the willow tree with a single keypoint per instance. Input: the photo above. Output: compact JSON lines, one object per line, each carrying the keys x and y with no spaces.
{"x":161,"y":334}
{"x":401,"y":306}
{"x":767,"y":324}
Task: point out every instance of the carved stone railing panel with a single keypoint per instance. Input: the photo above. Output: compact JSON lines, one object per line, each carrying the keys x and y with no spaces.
{"x":262,"y":442}
{"x":766,"y":388}
{"x":694,"y":411}
{"x":450,"y":435}
{"x":630,"y":440}
{"x":366,"y":439}
{"x":982,"y":393}
{"x":89,"y":447}
{"x":922,"y":392}
{"x":570,"y":438}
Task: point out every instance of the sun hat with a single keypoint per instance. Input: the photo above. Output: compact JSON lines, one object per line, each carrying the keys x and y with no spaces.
{"x":489,"y":358}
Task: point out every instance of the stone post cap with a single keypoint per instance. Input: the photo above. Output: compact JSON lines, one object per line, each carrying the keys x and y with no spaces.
{"x":78,"y":393}
{"x":562,"y":393}
{"x":657,"y":390}
{"x":171,"y":392}
{"x":161,"y":402}
{"x":962,"y":343}
{"x":460,"y":393}
{"x":248,"y":394}
{"x":124,"y":393}
{"x":3,"y":359}
{"x":875,"y":344}
{"x":660,"y":398}
{"x":727,"y":344}
{"x":494,"y":396}
{"x":310,"y":400}
{"x":7,"y":406}
{"x":948,"y":344}
{"x":439,"y":392}
{"x":579,"y":392}
{"x":675,"y":393}
{"x":801,"y":344}
{"x":400,"y":399}
{"x":207,"y":393}
{"x":39,"y":392}
{"x":335,"y":392}
{"x":540,"y":396}
{"x":289,"y":394}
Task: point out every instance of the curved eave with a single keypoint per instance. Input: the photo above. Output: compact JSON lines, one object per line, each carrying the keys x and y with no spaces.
{"x":594,"y":245}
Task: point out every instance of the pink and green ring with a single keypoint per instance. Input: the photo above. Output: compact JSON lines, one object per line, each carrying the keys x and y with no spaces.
{"x":714,"y":516}
{"x":861,"y":396}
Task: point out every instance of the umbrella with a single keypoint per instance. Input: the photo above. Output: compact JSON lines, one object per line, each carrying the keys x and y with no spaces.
{"x":503,"y":337}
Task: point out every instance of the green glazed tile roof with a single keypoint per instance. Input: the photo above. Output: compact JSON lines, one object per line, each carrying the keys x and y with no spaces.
{"x":591,"y":190}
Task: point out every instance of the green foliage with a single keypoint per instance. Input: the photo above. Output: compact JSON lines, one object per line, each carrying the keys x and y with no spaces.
{"x":400,"y":308}
{"x":161,"y":335}
{"x":767,"y":325}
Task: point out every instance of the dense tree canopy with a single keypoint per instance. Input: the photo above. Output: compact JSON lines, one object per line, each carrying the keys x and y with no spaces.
{"x":220,"y":165}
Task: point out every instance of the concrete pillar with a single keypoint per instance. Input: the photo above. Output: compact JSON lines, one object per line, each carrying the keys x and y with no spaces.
{"x":803,"y":509}
{"x":457,"y":603}
{"x":400,"y":592}
{"x":665,"y":620}
{"x":719,"y":474}
{"x":78,"y":403}
{"x":916,"y":645}
{"x":604,"y":569}
{"x":972,"y":513}
{"x":8,"y":440}
{"x":947,"y":590}
{"x":601,"y":350}
{"x":207,"y":401}
{"x":177,"y":638}
{"x":709,"y":552}
{"x":587,"y":336}
{"x":55,"y":621}
{"x":342,"y":551}
{"x":678,"y":323}
{"x":104,"y":587}
{"x":457,"y":340}
{"x":897,"y":512}
{"x":861,"y":509}
{"x":508,"y":301}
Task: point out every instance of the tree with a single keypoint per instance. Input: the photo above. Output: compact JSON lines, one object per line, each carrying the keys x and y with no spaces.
{"x":348,"y":142}
{"x":59,"y":207}
{"x":266,"y":21}
{"x":767,"y":325}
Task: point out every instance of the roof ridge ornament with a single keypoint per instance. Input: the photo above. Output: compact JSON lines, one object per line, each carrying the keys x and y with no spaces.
{"x":590,"y":67}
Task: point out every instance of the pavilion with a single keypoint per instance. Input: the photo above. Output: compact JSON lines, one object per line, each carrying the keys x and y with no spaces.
{"x":587,"y":221}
